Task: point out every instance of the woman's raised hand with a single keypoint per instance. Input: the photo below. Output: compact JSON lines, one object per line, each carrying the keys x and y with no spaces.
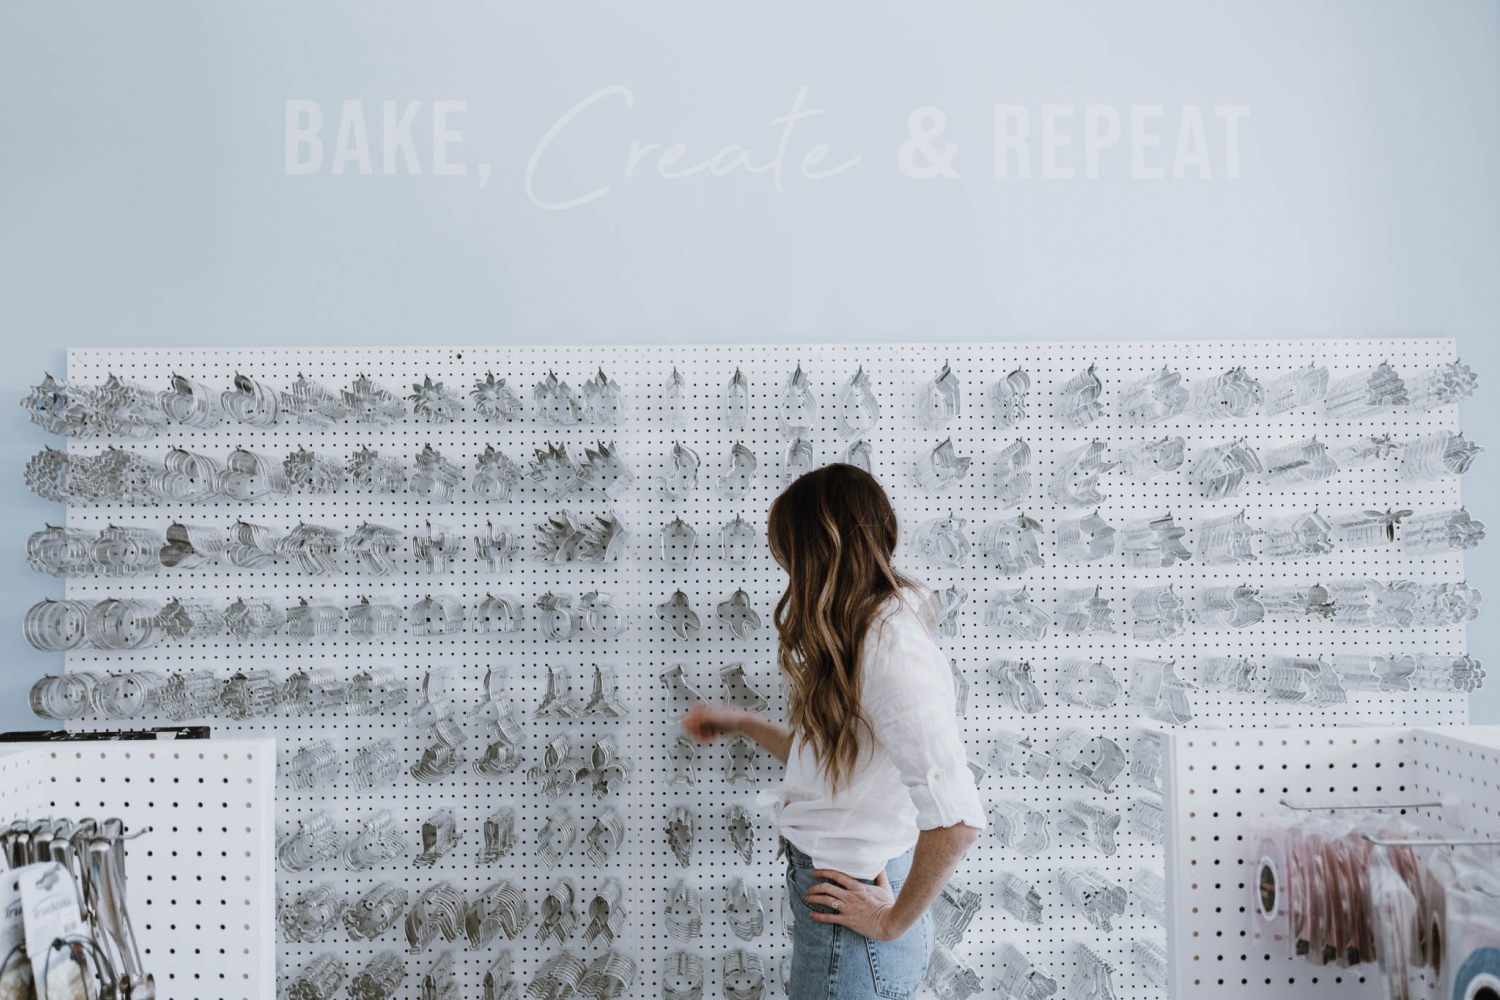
{"x":706,"y":723}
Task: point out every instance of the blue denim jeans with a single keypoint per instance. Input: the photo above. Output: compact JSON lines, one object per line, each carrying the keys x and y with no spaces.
{"x":830,"y":962}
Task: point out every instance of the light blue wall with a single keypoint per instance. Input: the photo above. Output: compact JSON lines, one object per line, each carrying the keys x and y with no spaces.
{"x":145,"y":201}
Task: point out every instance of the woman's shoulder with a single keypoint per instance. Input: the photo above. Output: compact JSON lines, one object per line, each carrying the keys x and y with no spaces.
{"x":910,"y":613}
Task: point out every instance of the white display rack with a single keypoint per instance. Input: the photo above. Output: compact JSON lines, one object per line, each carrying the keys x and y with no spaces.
{"x":643,"y":579}
{"x":1222,"y":784}
{"x":201,"y":884}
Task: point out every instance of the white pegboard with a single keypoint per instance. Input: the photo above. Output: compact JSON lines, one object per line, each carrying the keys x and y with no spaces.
{"x":200,"y":885}
{"x":1222,"y":784}
{"x":896,"y":372}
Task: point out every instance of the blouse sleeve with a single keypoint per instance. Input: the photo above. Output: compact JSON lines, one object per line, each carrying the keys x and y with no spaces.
{"x":909,"y":700}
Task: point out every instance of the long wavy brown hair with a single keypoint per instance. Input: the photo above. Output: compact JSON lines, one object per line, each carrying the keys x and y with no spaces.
{"x":833,"y":531}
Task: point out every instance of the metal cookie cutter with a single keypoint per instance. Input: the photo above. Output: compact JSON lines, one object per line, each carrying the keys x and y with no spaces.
{"x":123,"y":623}
{"x":251,"y":402}
{"x":678,"y":615}
{"x":374,"y":690}
{"x":1095,"y":760}
{"x":1304,"y":463}
{"x":798,"y":406}
{"x":497,"y":615}
{"x":607,"y":767}
{"x":1090,"y":823}
{"x":1019,"y":898}
{"x":1011,"y":545}
{"x":440,"y":834}
{"x":681,"y":477}
{"x":1076,"y":481}
{"x":436,"y":478}
{"x":960,"y":688}
{"x":1013,"y":755}
{"x":60,"y":551}
{"x":940,"y":400}
{"x":1149,"y":459}
{"x":598,"y":615}
{"x":312,"y":841}
{"x":248,"y":476}
{"x":858,"y":409}
{"x":1298,"y":537}
{"x":1148,"y":819}
{"x":1087,"y":683}
{"x":373,"y":619}
{"x":1017,"y":686}
{"x":1229,"y":673}
{"x":313,"y":472}
{"x":737,"y":613}
{"x":607,"y":912}
{"x":682,"y":977}
{"x":678,"y":539}
{"x":436,"y":614}
{"x":1020,"y":827}
{"x":190,"y":695}
{"x":1158,"y":396}
{"x":1018,"y":978}
{"x":127,"y":695}
{"x":744,"y":976}
{"x":1008,"y":399}
{"x":609,"y":977}
{"x":1229,"y":607}
{"x":558,"y":914}
{"x":674,"y":398}
{"x":125,"y":551}
{"x":603,"y":400}
{"x":1100,"y":899}
{"x":742,"y":832}
{"x":1220,"y":471}
{"x":314,"y":404}
{"x":860,"y":455}
{"x":684,"y":757}
{"x":379,"y":977}
{"x":605,"y":700}
{"x":1444,"y":385}
{"x":940,"y":468}
{"x":375,"y":764}
{"x":63,"y":696}
{"x":734,"y":483}
{"x":1146,"y":760}
{"x":745,"y":910}
{"x":501,"y":908}
{"x":498,"y":549}
{"x":560,"y":769}
{"x":1078,"y":400}
{"x":558,"y":978}
{"x":605,"y":469}
{"x":683,"y":913}
{"x":372,"y":403}
{"x":952,"y":912}
{"x":437,"y":762}
{"x":496,"y":475}
{"x":1093,"y":977}
{"x":375,"y":912}
{"x":312,"y":914}
{"x":604,"y":837}
{"x":1154,"y":685}
{"x":1451,"y":530}
{"x":492,"y":399}
{"x":555,"y":837}
{"x":1230,"y":395}
{"x":736,"y":401}
{"x":314,"y":547}
{"x":681,"y":826}
{"x":378,"y":840}
{"x":943,"y":542}
{"x":554,"y":471}
{"x":738,"y":540}
{"x":558,"y":702}
{"x":949,"y":600}
{"x":499,"y":979}
{"x":1084,"y":611}
{"x":738,"y":690}
{"x":555,"y":615}
{"x":250,"y":694}
{"x":315,"y":764}
{"x":307,"y":620}
{"x":1295,"y":390}
{"x":742,"y":762}
{"x":190,"y":403}
{"x":1151,"y":959}
{"x":1227,"y":540}
{"x":252,"y":546}
{"x":438,"y":910}
{"x":1154,"y":543}
{"x":1150,"y":892}
{"x":1013,"y":613}
{"x":190,"y":620}
{"x":1157,"y":613}
{"x":499,"y":836}
{"x":434,"y":402}
{"x":189,"y":546}
{"x":319,"y":979}
{"x":1364,"y":393}
{"x":369,"y":470}
{"x":950,"y":977}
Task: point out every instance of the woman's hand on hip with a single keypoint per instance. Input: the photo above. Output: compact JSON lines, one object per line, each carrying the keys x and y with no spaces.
{"x":706,"y":723}
{"x":863,"y":908}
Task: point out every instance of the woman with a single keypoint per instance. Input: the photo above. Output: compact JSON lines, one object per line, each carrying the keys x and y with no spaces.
{"x":878,"y":803}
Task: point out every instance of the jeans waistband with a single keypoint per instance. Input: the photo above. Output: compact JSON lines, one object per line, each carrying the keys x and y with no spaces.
{"x":794,"y":854}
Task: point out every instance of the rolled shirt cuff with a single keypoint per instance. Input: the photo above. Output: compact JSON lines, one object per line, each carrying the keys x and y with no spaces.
{"x":947,"y":799}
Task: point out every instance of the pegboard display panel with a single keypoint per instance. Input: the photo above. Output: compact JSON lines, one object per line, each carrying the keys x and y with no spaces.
{"x":644,"y":578}
{"x":201,"y":884}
